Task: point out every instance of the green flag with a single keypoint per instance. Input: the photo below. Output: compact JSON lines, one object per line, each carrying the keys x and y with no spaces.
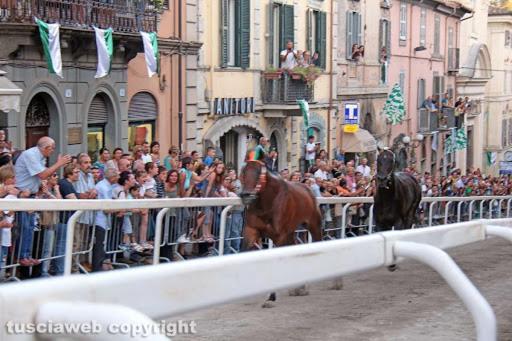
{"x":394,"y":109}
{"x":49,"y":34}
{"x":450,"y":143}
{"x":461,"y":139}
{"x":304,"y":108}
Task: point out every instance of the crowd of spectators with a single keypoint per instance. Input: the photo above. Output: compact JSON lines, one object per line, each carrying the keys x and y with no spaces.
{"x":145,"y":173}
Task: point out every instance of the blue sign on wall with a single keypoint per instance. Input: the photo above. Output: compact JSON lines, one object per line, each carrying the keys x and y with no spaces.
{"x":351,"y":113}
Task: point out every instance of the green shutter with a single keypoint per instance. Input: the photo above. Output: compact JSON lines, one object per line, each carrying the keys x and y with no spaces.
{"x":270,"y":49}
{"x":321,"y":37}
{"x":224,"y":19}
{"x":348,"y":41}
{"x":287,"y":25}
{"x":245,"y":33}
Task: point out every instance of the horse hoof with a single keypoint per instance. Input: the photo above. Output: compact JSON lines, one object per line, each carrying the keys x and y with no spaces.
{"x":268,"y":304}
{"x":337,"y":284}
{"x":392,"y":268}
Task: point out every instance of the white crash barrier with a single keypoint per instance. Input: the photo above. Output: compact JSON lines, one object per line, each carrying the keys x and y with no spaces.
{"x":174,"y":289}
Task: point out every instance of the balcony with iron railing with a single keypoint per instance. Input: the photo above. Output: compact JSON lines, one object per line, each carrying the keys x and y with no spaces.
{"x":122,"y":16}
{"x":444,"y":119}
{"x":283,"y":89}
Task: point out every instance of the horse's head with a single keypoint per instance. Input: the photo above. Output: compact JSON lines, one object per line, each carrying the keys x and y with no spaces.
{"x":385,"y":167}
{"x":253,"y":178}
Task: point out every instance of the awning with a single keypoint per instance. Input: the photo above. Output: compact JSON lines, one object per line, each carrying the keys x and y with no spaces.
{"x":360,"y":142}
{"x":9,"y":94}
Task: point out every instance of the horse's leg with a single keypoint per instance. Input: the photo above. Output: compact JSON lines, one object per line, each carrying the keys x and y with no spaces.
{"x":251,"y":238}
{"x":315,"y":226}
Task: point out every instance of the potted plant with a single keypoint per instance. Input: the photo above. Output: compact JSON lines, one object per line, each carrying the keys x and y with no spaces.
{"x":272,"y":73}
{"x":307,"y":74}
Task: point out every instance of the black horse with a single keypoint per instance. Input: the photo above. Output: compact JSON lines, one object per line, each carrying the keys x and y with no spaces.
{"x":397,"y":196}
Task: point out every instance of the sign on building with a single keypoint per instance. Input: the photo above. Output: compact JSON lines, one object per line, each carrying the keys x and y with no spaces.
{"x":506,"y":167}
{"x":351,"y":118}
{"x":233,"y":106}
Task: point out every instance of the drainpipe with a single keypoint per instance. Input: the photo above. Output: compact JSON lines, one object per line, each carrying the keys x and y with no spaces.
{"x":180,"y":79}
{"x":331,"y":76}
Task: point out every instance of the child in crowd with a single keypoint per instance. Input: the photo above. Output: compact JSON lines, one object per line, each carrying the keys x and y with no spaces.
{"x":7,"y":179}
{"x":145,"y":191}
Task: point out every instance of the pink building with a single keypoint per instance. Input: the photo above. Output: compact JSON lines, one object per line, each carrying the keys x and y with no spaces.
{"x":424,"y":61}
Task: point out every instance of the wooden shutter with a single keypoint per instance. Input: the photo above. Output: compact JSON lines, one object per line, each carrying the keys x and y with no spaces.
{"x":349,"y":35}
{"x":98,"y":111}
{"x":224,"y":33}
{"x":437,"y":35}
{"x":321,"y":37}
{"x":309,"y":29}
{"x":245,"y":33}
{"x":421,"y":91}
{"x":142,"y":107}
{"x":358,"y":29}
{"x":423,"y":27}
{"x":271,"y":35}
{"x":287,"y":24}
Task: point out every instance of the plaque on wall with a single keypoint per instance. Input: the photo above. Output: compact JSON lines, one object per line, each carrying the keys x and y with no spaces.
{"x":75,"y":135}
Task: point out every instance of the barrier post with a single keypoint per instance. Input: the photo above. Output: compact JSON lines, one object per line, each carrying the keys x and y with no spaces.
{"x":70,"y":231}
{"x":459,"y":210}
{"x":431,"y":212}
{"x":482,"y":313}
{"x":470,"y":210}
{"x":158,"y":234}
{"x":344,"y":220}
{"x":222,"y":232}
{"x":446,"y":211}
{"x":370,"y":220}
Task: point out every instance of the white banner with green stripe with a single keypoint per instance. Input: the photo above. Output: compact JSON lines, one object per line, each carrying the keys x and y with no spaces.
{"x":105,"y":47}
{"x":150,"y":42}
{"x":50,"y":39}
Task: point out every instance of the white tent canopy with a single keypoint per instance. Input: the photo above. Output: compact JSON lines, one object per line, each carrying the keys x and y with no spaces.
{"x":9,"y":94}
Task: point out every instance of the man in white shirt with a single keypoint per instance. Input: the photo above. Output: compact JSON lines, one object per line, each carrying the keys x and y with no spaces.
{"x":289,"y":56}
{"x":310,"y":151}
{"x":321,"y":173}
{"x":363,"y":168}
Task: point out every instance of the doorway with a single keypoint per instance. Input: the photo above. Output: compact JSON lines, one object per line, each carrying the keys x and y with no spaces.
{"x":37,"y":122}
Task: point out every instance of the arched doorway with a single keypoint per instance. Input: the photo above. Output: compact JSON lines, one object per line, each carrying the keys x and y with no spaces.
{"x":142,"y":115}
{"x":100,"y":125}
{"x":235,"y":143}
{"x":37,"y":121}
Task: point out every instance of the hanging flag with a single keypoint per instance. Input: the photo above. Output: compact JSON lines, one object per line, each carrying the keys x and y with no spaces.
{"x":304,"y":108}
{"x":394,"y":109}
{"x":105,"y":47}
{"x":450,"y":142}
{"x":151,"y":52}
{"x":435,"y":138}
{"x":491,"y":158}
{"x":50,"y":39}
{"x":461,"y":140}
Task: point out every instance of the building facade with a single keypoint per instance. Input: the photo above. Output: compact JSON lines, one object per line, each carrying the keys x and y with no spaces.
{"x":241,"y":93}
{"x":472,"y":80}
{"x":157,"y":105}
{"x":424,"y":62}
{"x":498,"y":129}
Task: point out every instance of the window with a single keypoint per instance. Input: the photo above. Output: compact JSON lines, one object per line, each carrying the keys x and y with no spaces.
{"x":384,"y":49}
{"x":421,"y":91}
{"x":438,"y":87}
{"x":402,"y":81}
{"x":280,"y":30}
{"x":353,"y":32}
{"x":317,"y":35}
{"x":423,"y":27}
{"x":235,"y":35}
{"x":95,"y":140}
{"x":437,"y":35}
{"x":403,"y":21}
{"x":503,"y":133}
{"x":138,"y":132}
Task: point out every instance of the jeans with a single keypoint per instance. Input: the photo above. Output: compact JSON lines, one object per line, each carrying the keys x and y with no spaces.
{"x":56,"y":234}
{"x":98,"y":250}
{"x":234,"y":226}
{"x":27,"y":224}
{"x":4,"y":253}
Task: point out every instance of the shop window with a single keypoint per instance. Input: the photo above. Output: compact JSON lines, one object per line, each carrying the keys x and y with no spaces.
{"x":138,"y":132}
{"x":95,"y":140}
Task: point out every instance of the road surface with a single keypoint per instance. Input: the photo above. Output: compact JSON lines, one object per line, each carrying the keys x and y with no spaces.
{"x":413,"y":303}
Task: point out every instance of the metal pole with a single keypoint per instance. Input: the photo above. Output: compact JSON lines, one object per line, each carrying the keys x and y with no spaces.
{"x":222,"y":232}
{"x":70,"y":231}
{"x":158,"y":234}
{"x":446,"y":210}
{"x":482,"y":313}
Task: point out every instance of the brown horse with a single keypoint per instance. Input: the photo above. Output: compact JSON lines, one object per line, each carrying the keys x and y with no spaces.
{"x":275,"y":208}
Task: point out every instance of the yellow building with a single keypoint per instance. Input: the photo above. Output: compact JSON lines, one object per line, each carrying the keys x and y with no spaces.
{"x":237,"y":99}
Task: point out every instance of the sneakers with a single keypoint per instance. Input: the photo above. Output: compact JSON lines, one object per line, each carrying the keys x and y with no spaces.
{"x":124,"y":247}
{"x":183,"y":239}
{"x":136,"y":247}
{"x":147,"y":246}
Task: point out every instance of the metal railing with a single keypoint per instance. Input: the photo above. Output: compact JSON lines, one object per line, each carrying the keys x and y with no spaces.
{"x":286,"y":90}
{"x":172,"y":290}
{"x":122,"y":16}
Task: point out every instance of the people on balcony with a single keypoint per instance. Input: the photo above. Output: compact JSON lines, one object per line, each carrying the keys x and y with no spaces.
{"x":357,"y":53}
{"x":289,"y":56}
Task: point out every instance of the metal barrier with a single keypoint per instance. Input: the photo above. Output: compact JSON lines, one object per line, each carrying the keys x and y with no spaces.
{"x":172,"y":289}
{"x":173,"y":221}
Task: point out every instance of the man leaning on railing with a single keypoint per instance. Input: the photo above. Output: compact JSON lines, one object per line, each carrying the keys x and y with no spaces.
{"x":30,"y":170}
